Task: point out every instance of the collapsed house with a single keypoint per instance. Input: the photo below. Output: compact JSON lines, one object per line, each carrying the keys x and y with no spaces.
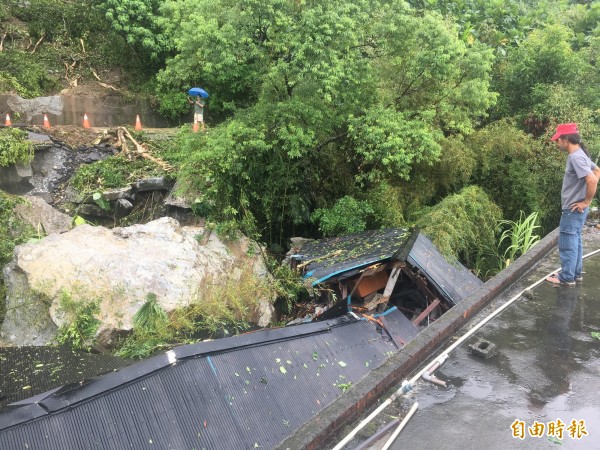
{"x":257,"y":389}
{"x":370,"y":272}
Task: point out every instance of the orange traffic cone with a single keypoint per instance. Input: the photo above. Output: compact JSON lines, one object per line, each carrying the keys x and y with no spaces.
{"x":86,"y":121}
{"x":138,"y":123}
{"x":195,"y":127}
{"x":46,"y":121}
{"x":7,"y":122}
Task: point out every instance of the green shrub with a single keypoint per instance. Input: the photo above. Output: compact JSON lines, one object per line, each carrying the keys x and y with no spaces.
{"x":348,"y":215}
{"x":462,"y":225}
{"x":150,"y":318}
{"x":81,"y":325}
{"x":507,"y":167}
{"x":14,"y":147}
{"x":518,"y":237}
{"x":113,"y":172}
{"x":28,"y":77}
{"x":173,"y":105}
{"x":386,"y":202}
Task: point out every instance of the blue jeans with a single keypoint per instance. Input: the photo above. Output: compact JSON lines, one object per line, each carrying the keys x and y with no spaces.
{"x":570,"y":245}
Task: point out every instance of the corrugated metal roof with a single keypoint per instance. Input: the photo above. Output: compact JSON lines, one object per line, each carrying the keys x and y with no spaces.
{"x":29,"y":370}
{"x":229,"y":394}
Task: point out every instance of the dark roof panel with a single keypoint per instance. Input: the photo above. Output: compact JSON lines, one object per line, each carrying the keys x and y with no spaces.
{"x":329,"y":257}
{"x":344,"y":256}
{"x":32,"y":370}
{"x":233,"y":398}
{"x":398,"y":326}
{"x":454,"y":281}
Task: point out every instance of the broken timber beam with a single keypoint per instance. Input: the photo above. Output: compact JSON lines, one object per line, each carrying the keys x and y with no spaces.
{"x":426,"y":312}
{"x":389,"y":287}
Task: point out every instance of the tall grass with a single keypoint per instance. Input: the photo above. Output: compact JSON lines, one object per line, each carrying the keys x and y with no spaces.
{"x":518,"y":237}
{"x":222,"y":309}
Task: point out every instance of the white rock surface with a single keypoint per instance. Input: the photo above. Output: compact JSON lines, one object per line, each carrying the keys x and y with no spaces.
{"x":118,"y":268}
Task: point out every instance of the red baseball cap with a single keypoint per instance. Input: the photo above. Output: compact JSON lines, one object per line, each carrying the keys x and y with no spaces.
{"x":565,"y":128}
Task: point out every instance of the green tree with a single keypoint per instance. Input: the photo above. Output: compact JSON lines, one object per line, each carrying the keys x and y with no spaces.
{"x":463,"y":225}
{"x":333,"y":99}
{"x":348,"y":215}
{"x":139,"y":22}
{"x":544,"y":59}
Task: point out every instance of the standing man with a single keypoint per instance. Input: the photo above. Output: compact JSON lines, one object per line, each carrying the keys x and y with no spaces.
{"x":198,"y":112}
{"x":578,"y":190}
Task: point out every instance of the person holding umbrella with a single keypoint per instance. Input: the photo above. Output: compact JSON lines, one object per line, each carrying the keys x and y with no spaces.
{"x":198,"y":103}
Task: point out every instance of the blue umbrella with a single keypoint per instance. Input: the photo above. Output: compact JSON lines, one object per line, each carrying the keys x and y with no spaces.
{"x":198,"y":91}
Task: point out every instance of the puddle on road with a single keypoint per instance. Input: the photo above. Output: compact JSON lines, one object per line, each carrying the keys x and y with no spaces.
{"x":546,"y":367}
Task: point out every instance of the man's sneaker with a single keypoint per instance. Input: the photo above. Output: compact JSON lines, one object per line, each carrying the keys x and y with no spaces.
{"x":554,"y":280}
{"x":579,"y":279}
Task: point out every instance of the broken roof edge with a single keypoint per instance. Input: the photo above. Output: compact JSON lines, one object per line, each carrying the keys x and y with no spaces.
{"x":57,"y":399}
{"x":401,"y":254}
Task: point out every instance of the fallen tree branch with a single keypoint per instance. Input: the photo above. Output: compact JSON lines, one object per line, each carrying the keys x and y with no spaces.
{"x":2,"y":41}
{"x":121,"y":142}
{"x":104,"y":85}
{"x":108,"y":86}
{"x":38,"y":42}
{"x":140,"y":149}
{"x":95,"y":74}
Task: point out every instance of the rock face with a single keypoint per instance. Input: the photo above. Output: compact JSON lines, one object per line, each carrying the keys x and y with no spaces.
{"x":118,"y":268}
{"x":41,"y":215}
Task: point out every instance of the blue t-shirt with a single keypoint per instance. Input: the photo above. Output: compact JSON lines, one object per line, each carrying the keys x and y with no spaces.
{"x":574,"y":189}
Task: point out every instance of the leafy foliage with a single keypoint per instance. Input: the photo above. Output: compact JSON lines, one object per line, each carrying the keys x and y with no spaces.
{"x":112,"y":172}
{"x":24,"y":75}
{"x":349,"y":95}
{"x":150,"y":317}
{"x":82,"y":323}
{"x":348,"y":215}
{"x":545,"y":58}
{"x":14,"y":147}
{"x":49,"y":44}
{"x":139,"y":23}
{"x":462,"y":224}
{"x":505,"y":162}
{"x":520,"y":236}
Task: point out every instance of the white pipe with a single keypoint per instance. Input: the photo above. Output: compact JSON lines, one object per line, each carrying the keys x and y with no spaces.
{"x":429,"y":376}
{"x":397,"y":431}
{"x":407,"y":385}
{"x":486,"y":320}
{"x":403,"y":389}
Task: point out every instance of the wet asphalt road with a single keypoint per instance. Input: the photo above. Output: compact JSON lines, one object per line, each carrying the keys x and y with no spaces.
{"x":546,"y":367}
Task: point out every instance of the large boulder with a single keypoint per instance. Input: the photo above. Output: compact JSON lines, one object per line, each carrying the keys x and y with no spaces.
{"x":117,"y":268}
